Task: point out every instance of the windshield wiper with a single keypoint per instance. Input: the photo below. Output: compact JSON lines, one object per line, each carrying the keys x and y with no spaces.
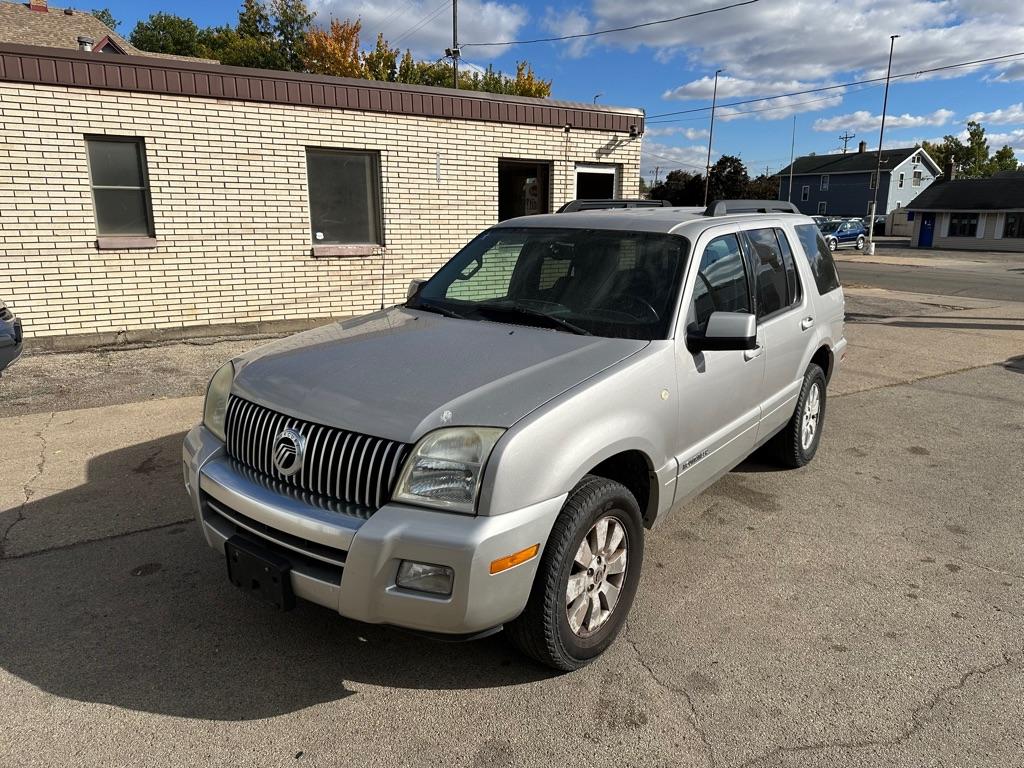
{"x":437,"y":308}
{"x":513,"y":309}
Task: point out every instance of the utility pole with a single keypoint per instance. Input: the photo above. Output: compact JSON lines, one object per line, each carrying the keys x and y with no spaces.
{"x":455,"y":52}
{"x":845,"y":138}
{"x":657,"y":170}
{"x":878,"y":162}
{"x":792,"y":151}
{"x":711,"y":135}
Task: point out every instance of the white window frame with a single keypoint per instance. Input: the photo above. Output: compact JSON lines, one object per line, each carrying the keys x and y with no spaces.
{"x":917,"y":179}
{"x":899,"y":184}
{"x":822,"y":208}
{"x":805,"y":193}
{"x":612,"y":170}
{"x":823,"y":186}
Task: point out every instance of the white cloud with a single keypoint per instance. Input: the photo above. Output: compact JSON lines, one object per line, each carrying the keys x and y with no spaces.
{"x":1011,"y":114}
{"x":862,"y":120}
{"x":692,"y":134}
{"x":732,"y":87}
{"x":426,"y":28}
{"x":668,"y":158}
{"x":571,"y":22}
{"x":1015,"y":138}
{"x":776,"y":109}
{"x":1009,"y":73}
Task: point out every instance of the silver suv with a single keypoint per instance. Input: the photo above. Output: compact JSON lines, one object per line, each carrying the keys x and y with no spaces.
{"x":490,"y":453}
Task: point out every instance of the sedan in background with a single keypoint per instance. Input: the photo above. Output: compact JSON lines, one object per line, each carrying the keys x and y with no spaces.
{"x":10,"y":337}
{"x":848,"y":233}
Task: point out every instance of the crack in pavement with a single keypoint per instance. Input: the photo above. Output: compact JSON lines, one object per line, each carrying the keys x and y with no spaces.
{"x":26,"y":489}
{"x":694,"y":719}
{"x":917,"y":720}
{"x":73,"y":544}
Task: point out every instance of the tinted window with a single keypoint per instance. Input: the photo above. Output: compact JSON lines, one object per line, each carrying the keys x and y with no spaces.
{"x":609,"y":283}
{"x":721,"y":284}
{"x":344,"y":196}
{"x":120,"y":191}
{"x":769,"y":272}
{"x":792,"y":275}
{"x":819,"y":257}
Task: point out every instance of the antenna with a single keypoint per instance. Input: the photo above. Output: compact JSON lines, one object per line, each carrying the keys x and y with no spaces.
{"x":845,"y":138}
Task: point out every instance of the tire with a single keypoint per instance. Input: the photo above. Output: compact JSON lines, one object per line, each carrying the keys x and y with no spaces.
{"x":791,"y":448}
{"x":833,"y":244}
{"x":543,"y":630}
{"x":860,"y":243}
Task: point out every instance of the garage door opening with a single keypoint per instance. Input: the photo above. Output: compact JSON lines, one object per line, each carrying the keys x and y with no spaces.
{"x":523,"y":188}
{"x":596,"y":182}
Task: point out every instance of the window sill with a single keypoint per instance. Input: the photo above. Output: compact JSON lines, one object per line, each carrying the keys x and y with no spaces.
{"x":124,"y":243}
{"x":349,"y":250}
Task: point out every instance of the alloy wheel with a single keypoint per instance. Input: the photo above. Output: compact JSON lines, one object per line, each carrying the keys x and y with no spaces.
{"x":809,"y":421}
{"x":596,"y":577}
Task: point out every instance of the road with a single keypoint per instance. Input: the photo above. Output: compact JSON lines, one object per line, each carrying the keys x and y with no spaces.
{"x":1004,"y":285}
{"x":865,"y":610}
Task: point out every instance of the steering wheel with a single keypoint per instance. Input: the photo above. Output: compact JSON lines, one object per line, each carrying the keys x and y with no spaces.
{"x":647,"y":314}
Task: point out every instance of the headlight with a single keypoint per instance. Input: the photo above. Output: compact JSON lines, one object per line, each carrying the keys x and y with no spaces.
{"x":446,"y":468}
{"x":216,"y":408}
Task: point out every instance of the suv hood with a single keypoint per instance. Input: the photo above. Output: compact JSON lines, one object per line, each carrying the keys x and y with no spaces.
{"x":400,"y":373}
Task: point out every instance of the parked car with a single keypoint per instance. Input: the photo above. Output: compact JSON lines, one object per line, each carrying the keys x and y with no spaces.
{"x":879,"y":225}
{"x":490,"y":453}
{"x":845,"y":233}
{"x":10,"y":337}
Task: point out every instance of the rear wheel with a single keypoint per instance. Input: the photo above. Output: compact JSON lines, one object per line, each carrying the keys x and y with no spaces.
{"x":587,"y":577}
{"x":860,"y":243}
{"x":797,"y":443}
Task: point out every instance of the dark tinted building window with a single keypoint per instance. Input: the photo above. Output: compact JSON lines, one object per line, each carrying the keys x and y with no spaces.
{"x":1014,"y":225}
{"x":721,"y":281}
{"x":819,"y":257}
{"x":120,"y":188}
{"x":775,"y":273}
{"x":344,"y":197}
{"x":963,"y":224}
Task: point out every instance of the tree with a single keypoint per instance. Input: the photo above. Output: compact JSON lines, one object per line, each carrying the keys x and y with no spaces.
{"x":167,"y":33}
{"x":970,"y":159}
{"x":254,"y":21}
{"x":1005,"y":159}
{"x":335,"y":51}
{"x":764,"y":187}
{"x":104,"y":15}
{"x":729,"y":179}
{"x":228,"y":46}
{"x":680,"y":188}
{"x":292,"y":21}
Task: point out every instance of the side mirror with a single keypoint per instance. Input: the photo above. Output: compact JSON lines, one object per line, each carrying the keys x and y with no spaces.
{"x":725,"y":331}
{"x":414,"y":288}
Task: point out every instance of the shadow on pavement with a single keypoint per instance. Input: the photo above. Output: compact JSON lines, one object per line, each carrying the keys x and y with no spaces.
{"x":1015,"y":364}
{"x":148,"y":621}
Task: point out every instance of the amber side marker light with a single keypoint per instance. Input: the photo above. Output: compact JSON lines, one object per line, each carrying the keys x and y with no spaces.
{"x":510,"y":561}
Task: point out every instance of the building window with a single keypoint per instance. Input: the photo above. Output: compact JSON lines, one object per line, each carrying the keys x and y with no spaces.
{"x":917,"y":178}
{"x":824,"y":183}
{"x":120,"y":186}
{"x":1014,"y":225}
{"x":821,"y":208}
{"x":900,"y":182}
{"x":344,"y":197}
{"x":899,"y":204}
{"x":805,"y":193}
{"x":872,"y":181}
{"x":963,"y":225}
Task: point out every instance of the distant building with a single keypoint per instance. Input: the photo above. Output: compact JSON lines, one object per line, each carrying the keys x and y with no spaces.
{"x":844,"y":185}
{"x":36,"y":23}
{"x":971,"y":214}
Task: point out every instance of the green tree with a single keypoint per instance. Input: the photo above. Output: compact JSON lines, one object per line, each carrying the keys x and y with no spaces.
{"x":764,"y":187}
{"x":382,"y":62}
{"x":104,"y":15}
{"x":1005,"y":159}
{"x":254,"y":20}
{"x":970,"y":159}
{"x":167,"y":33}
{"x":292,"y":21}
{"x":680,"y":188}
{"x":229,"y":47}
{"x":729,"y":179}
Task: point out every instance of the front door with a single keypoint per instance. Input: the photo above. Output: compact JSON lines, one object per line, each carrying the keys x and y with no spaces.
{"x":720,"y":391}
{"x":927,"y":234}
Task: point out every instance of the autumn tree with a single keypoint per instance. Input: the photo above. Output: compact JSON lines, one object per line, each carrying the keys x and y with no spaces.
{"x":334,"y":51}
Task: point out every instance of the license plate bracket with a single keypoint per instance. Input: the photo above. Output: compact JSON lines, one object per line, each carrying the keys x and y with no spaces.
{"x":260,"y":572}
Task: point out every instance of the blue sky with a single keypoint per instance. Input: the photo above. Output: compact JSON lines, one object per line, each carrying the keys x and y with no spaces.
{"x":769,"y":47}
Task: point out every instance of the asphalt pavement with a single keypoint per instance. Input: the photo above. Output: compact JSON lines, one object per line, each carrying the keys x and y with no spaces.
{"x":865,"y":610}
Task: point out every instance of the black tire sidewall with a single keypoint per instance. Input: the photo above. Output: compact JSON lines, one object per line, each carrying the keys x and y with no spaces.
{"x":618,"y":502}
{"x":813,"y":376}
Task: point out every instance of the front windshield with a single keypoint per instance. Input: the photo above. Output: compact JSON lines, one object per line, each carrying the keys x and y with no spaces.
{"x":830,"y":226}
{"x":618,"y":284}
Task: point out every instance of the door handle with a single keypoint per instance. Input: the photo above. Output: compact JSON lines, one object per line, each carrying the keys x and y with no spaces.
{"x":750,"y":354}
{"x":807,"y":323}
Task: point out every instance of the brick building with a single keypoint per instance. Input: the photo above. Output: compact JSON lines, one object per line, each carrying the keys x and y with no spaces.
{"x":139,"y":193}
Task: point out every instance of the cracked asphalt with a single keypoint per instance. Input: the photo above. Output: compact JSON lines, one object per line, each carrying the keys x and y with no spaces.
{"x":866,"y":610}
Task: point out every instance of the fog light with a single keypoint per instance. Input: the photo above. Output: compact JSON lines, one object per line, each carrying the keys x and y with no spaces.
{"x":423,"y":577}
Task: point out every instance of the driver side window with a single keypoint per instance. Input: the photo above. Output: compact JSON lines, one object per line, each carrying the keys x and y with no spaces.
{"x":722,"y":284}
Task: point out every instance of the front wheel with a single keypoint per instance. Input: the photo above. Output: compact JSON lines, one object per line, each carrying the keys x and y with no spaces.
{"x":587,"y":577}
{"x":797,"y":443}
{"x":860,"y":243}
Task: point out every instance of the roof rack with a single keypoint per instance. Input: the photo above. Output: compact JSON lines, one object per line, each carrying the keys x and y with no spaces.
{"x":723,"y":207}
{"x":595,"y":205}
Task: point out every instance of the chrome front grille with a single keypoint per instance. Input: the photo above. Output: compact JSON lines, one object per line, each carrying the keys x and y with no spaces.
{"x":346,"y":466}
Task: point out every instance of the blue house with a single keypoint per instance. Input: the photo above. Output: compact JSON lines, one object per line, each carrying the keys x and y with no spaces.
{"x":844,"y":185}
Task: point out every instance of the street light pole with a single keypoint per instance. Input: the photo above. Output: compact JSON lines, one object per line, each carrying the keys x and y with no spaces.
{"x":711,"y":135}
{"x":792,"y":159}
{"x":455,"y":43}
{"x":878,"y":161}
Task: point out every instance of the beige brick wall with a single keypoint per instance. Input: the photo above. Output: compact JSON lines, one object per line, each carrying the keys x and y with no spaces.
{"x":230,"y":206}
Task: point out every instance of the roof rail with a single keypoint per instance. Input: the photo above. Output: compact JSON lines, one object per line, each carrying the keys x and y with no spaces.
{"x":596,"y":205}
{"x":723,"y":207}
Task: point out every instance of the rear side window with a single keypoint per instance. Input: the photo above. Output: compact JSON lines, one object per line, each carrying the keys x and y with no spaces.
{"x":721,"y":281}
{"x":774,"y":272}
{"x":819,"y":257}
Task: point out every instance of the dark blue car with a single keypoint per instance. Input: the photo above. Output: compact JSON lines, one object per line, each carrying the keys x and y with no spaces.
{"x":844,"y":234}
{"x":10,"y":337}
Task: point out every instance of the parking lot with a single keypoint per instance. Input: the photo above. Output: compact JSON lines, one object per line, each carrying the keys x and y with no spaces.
{"x":865,"y":610}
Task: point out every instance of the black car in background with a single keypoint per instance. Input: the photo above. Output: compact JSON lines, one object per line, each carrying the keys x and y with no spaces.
{"x":10,"y":337}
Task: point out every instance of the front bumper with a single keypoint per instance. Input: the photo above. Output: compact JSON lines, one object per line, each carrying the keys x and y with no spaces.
{"x":347,"y":559}
{"x":10,"y":341}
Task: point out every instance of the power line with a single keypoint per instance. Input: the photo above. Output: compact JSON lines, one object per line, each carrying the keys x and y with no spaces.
{"x":729,"y":115}
{"x":423,"y":22}
{"x":614,"y":29}
{"x":845,"y":85}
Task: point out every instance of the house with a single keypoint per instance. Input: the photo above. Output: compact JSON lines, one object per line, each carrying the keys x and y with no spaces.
{"x":844,"y":185}
{"x":148,"y":194}
{"x":36,"y":23}
{"x":971,"y":214}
